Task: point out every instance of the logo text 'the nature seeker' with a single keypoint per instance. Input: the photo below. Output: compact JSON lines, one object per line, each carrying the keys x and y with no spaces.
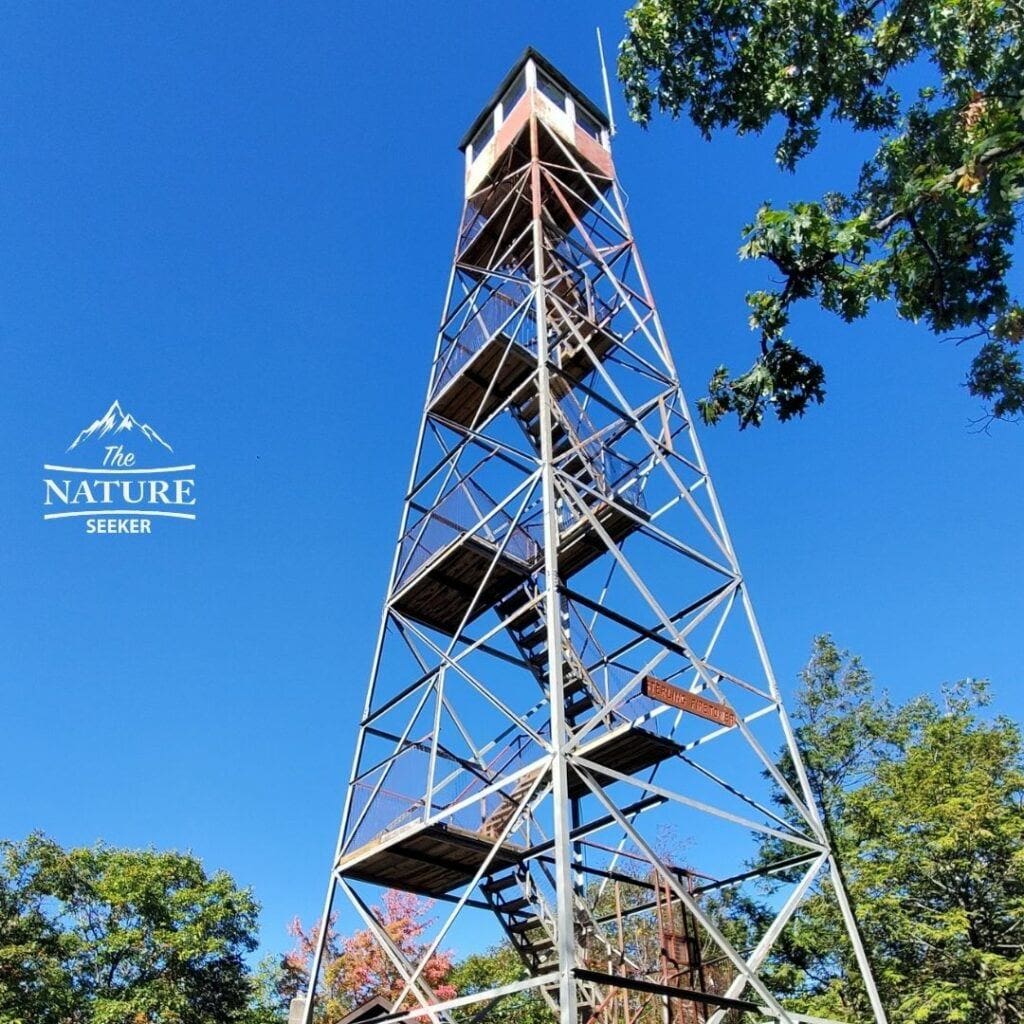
{"x":122,"y":481}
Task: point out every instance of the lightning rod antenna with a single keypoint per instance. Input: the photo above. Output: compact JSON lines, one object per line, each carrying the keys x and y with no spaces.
{"x":607,"y":90}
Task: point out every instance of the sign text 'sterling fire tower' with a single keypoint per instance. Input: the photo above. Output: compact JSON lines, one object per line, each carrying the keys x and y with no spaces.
{"x":571,"y":725}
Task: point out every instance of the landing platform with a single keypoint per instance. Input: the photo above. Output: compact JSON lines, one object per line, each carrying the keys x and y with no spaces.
{"x":488,"y":377}
{"x":500,"y":362}
{"x":628,"y":752}
{"x":440,"y":593}
{"x":433,"y":860}
{"x":581,"y":544}
{"x":430,"y":861}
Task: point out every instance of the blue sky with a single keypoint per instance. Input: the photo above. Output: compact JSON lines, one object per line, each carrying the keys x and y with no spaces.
{"x":238,"y":222}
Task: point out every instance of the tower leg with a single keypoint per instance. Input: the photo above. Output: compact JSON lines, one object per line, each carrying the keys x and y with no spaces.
{"x":853,"y":930}
{"x":564,"y":903}
{"x":318,"y":954}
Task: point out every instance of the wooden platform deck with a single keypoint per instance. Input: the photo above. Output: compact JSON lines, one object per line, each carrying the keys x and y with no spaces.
{"x":431,"y":860}
{"x":469,"y":397}
{"x":581,"y":544}
{"x":502,"y":363}
{"x":435,"y":859}
{"x":440,"y":592}
{"x":626,"y":751}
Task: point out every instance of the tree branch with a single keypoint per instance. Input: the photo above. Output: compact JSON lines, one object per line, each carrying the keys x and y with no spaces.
{"x":946,"y":181}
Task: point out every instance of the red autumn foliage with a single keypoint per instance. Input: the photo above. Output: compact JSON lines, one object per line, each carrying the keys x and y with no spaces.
{"x":356,"y":967}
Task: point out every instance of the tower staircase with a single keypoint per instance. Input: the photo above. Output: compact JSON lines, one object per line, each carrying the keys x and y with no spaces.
{"x":527,"y":627}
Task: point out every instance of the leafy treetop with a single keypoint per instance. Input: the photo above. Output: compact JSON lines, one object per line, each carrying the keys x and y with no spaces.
{"x":111,"y":936}
{"x":931,"y":222}
{"x":925,"y":803}
{"x":356,"y":968}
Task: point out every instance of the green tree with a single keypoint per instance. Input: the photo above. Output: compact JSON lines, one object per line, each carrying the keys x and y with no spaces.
{"x":924,"y":803}
{"x":931,"y":221}
{"x":274,"y":984}
{"x":100,"y":935}
{"x":940,"y":877}
{"x":500,"y":965}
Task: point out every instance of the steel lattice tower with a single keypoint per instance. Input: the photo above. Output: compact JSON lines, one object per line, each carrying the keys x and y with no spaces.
{"x":571,"y":724}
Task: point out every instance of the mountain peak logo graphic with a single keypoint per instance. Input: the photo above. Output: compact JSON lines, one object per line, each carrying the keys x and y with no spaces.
{"x":115,"y":421}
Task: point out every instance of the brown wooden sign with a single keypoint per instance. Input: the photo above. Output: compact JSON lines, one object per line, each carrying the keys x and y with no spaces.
{"x":658,"y":689}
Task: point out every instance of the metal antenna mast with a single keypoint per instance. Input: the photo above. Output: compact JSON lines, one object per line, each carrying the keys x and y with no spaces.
{"x":571,"y":725}
{"x":607,"y":87}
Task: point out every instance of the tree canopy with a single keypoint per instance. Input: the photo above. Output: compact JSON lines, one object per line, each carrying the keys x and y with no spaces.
{"x":106,"y":936}
{"x":927,"y":222}
{"x":356,"y":968}
{"x":499,"y":965}
{"x":924,"y":802}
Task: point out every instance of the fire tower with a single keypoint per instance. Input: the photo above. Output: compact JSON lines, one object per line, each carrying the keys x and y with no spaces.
{"x":571,"y":726}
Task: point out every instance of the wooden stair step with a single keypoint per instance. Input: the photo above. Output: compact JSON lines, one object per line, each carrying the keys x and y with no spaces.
{"x":501,"y":883}
{"x":577,"y":707}
{"x":573,"y":684}
{"x":521,"y":927}
{"x":508,"y":606}
{"x":514,"y":906}
{"x":561,"y":440}
{"x":534,"y":637}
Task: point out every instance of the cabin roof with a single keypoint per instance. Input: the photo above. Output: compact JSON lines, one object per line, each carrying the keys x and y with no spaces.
{"x":378,"y":1006}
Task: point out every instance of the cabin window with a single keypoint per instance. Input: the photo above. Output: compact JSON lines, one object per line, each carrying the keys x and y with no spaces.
{"x":587,"y":123}
{"x":514,"y":93}
{"x":484,"y":135}
{"x":554,"y":92}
